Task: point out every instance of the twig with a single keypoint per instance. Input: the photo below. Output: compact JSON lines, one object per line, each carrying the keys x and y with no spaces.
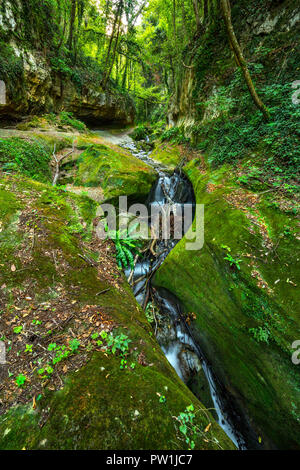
{"x":56,"y":176}
{"x":139,"y":280}
{"x":88,"y":260}
{"x":132,"y":270}
{"x":103,"y":291}
{"x":146,"y":296}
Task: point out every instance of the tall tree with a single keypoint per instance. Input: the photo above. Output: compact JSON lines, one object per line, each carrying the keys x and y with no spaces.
{"x":226,"y":8}
{"x":72,"y":24}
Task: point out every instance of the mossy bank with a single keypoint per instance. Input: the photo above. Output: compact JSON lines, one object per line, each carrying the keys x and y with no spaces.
{"x":52,"y":269}
{"x":242,"y":286}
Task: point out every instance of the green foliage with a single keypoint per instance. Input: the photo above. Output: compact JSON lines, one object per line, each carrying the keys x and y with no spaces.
{"x":11,"y":66}
{"x":62,"y":352}
{"x":118,"y":344}
{"x":153,"y":314}
{"x":29,"y":158}
{"x":126,"y":247}
{"x":187,"y":426}
{"x":232,"y":261}
{"x":45,"y":372}
{"x":260,"y":334}
{"x":219,"y":104}
{"x":246,"y":131}
{"x":74,"y":345}
{"x":20,"y":380}
{"x":174,"y":134}
{"x":69,"y":120}
{"x":18,"y":329}
{"x":140,"y":132}
{"x":28,"y":348}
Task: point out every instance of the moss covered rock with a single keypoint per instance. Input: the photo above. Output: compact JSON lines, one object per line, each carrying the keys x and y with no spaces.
{"x":168,"y":154}
{"x":49,"y":304}
{"x":117,"y":172}
{"x":242,"y":286}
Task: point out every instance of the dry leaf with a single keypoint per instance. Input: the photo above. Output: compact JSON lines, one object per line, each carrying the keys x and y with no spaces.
{"x":207,"y":428}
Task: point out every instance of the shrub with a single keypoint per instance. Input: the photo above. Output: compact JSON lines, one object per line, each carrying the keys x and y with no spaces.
{"x":140,"y":132}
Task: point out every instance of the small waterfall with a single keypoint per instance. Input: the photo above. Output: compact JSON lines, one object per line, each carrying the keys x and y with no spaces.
{"x":175,"y":337}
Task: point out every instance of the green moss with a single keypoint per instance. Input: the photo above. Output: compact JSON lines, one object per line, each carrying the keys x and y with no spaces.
{"x":53,"y":121}
{"x":95,"y":412}
{"x":117,"y":173}
{"x":11,"y":66}
{"x":100,"y":405}
{"x":229,"y":303}
{"x":30,"y":158}
{"x":167,"y":154}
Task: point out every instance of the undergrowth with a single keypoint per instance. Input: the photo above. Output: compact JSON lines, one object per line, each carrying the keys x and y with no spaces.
{"x":29,"y":158}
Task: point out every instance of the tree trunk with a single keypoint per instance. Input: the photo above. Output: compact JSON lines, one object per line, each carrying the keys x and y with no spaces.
{"x":112,"y":60}
{"x":184,"y":19}
{"x":174,"y":18}
{"x":72,"y":22}
{"x":107,"y":60}
{"x":197,"y":14}
{"x":125,"y":74}
{"x":225,"y":4}
{"x":205,"y":11}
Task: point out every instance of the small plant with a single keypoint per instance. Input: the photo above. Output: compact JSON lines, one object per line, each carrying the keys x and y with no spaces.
{"x":28,"y":348}
{"x":61,"y":353}
{"x":232,"y":261}
{"x":74,"y":345}
{"x":103,"y":334}
{"x":187,"y":426}
{"x":260,"y":334}
{"x":126,"y":247}
{"x":150,"y":312}
{"x":20,"y":380}
{"x":18,"y":330}
{"x":119,"y":343}
{"x":45,"y":372}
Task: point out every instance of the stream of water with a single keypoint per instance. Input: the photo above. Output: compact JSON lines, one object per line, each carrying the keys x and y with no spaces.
{"x":174,"y":335}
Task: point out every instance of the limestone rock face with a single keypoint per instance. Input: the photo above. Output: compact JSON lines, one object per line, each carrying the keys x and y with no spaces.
{"x":41,"y":89}
{"x":246,"y":317}
{"x":270,"y":24}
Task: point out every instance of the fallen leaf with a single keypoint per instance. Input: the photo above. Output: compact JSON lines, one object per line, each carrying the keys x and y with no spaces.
{"x":207,"y":427}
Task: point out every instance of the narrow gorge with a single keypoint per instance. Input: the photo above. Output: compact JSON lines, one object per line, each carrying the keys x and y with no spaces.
{"x":110,"y":339}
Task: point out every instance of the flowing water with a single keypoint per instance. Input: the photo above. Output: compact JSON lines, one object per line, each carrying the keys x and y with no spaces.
{"x":173,"y":332}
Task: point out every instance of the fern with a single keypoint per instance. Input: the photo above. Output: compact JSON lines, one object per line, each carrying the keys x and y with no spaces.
{"x":126,"y":247}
